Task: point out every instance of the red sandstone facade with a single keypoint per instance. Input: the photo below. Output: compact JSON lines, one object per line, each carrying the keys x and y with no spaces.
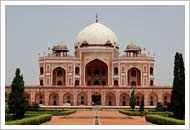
{"x":96,"y":74}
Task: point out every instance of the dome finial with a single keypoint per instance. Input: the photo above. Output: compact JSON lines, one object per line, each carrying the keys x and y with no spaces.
{"x":96,"y":18}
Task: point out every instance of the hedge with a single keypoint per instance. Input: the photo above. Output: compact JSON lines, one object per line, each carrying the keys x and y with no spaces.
{"x":132,"y":113}
{"x":166,"y":114}
{"x":36,"y":120}
{"x":161,"y":120}
{"x":9,"y":117}
{"x":53,"y":112}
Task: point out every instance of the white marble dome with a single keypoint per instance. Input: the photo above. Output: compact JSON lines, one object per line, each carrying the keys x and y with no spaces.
{"x":96,"y":34}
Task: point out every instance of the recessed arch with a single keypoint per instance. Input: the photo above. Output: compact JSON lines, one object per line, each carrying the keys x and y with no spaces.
{"x":134,"y":77}
{"x":54,"y":99}
{"x":138,"y":97}
{"x":82,"y":99}
{"x":40,"y":98}
{"x":28,"y":97}
{"x":41,"y":70}
{"x":124,"y":99}
{"x":166,"y":98}
{"x":96,"y":71}
{"x":151,"y":82}
{"x":153,"y":99}
{"x":116,"y":82}
{"x":59,"y":76}
{"x":110,"y":99}
{"x":68,"y":98}
{"x":77,"y":70}
{"x":77,"y":82}
{"x":151,"y":71}
{"x":115,"y":71}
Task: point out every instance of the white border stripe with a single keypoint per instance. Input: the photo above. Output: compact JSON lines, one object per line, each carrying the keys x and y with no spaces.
{"x":2,"y":64}
{"x":94,"y":2}
{"x":186,"y":61}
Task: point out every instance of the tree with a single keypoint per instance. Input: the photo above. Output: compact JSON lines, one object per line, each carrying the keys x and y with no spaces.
{"x":142,"y":104}
{"x":16,"y":100}
{"x":178,"y":91}
{"x":132,"y":100}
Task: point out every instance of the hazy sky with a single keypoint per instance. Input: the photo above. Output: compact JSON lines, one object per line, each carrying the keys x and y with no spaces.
{"x":32,"y":29}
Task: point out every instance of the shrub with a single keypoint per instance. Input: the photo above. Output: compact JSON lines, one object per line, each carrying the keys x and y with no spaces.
{"x":141,"y":108}
{"x":7,"y":109}
{"x":32,"y":107}
{"x":9,"y":117}
{"x":132,"y":102}
{"x":132,"y":113}
{"x":36,"y":120}
{"x":159,"y":107}
{"x":53,"y":112}
{"x":161,"y":120}
{"x":166,"y":114}
{"x":16,"y":98}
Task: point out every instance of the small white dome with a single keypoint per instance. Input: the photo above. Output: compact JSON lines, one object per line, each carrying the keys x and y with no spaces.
{"x":97,"y":34}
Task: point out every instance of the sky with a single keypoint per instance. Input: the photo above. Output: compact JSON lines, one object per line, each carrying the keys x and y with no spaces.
{"x":31,"y":30}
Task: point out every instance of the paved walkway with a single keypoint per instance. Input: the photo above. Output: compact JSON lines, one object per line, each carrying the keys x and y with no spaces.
{"x":104,"y":118}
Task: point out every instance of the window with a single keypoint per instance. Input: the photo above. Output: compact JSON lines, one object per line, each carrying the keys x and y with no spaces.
{"x":151,"y":71}
{"x":41,"y":82}
{"x":96,"y":72}
{"x":133,"y":73}
{"x":115,"y":83}
{"x":115,"y":71}
{"x":76,"y":82}
{"x":77,"y":70}
{"x":59,"y":73}
{"x":41,"y":70}
{"x":151,"y":82}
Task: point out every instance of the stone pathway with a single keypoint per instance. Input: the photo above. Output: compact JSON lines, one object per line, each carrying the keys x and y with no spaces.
{"x":78,"y":118}
{"x":97,"y":118}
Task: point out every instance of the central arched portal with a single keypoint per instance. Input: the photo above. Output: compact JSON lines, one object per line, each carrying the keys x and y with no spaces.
{"x":96,"y":73}
{"x":96,"y":99}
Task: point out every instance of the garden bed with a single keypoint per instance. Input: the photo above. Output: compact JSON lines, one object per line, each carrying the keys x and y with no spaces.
{"x":162,"y":120}
{"x":34,"y":120}
{"x":53,"y":112}
{"x":132,"y":112}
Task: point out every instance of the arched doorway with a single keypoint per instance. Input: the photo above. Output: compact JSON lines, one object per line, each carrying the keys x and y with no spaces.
{"x":138,"y":97}
{"x":96,"y":73}
{"x":59,"y":76}
{"x":124,"y":99}
{"x":68,"y":98}
{"x":54,"y":99}
{"x":82,"y":99}
{"x":39,"y":98}
{"x":96,"y":99}
{"x":28,"y":97}
{"x":153,"y":99}
{"x":134,"y":77}
{"x":166,"y":98}
{"x":110,"y":99}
